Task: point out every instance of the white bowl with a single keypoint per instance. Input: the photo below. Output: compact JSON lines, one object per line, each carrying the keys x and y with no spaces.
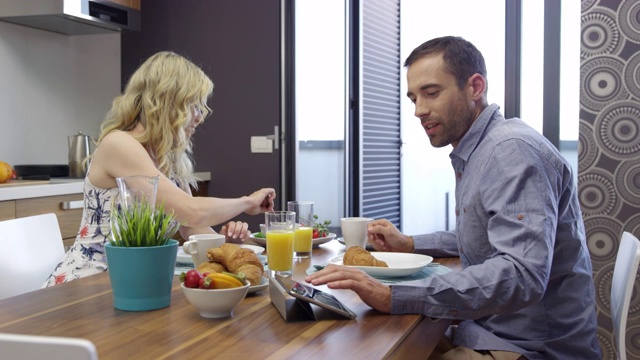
{"x":215,"y":303}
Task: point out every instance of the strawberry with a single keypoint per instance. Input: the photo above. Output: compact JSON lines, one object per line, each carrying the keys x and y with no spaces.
{"x":191,"y":278}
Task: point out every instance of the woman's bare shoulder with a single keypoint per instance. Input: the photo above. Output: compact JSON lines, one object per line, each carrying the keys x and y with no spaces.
{"x":120,"y":141}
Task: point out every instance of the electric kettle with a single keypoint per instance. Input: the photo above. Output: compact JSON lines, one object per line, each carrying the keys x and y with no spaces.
{"x":78,"y":152}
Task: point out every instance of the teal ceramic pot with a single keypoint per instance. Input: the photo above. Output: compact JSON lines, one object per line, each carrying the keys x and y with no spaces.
{"x":141,"y":277}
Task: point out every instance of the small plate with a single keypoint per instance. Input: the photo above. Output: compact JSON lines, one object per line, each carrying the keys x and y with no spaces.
{"x":316,"y":242}
{"x":256,"y":249}
{"x":264,"y":283}
{"x":400,"y":264}
{"x":182,"y":257}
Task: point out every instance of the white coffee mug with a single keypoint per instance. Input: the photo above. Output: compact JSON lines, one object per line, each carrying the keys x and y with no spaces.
{"x":354,"y":231}
{"x":199,"y":244}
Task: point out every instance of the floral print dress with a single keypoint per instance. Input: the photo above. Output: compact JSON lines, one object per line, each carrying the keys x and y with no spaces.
{"x":87,"y":256}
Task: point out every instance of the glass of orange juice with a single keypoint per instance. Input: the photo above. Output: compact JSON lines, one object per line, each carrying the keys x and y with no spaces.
{"x":280,"y":227}
{"x":303,"y":239}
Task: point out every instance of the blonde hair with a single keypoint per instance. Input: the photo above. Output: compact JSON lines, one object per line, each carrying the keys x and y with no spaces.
{"x":160,"y":95}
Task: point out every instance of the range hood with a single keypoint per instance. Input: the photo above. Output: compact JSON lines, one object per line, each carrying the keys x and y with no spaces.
{"x":71,"y":17}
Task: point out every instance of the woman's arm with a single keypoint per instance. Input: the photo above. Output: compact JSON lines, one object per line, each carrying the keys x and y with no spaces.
{"x":119,"y":155}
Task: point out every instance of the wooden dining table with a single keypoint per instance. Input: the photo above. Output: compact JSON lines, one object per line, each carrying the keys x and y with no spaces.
{"x":84,"y":309}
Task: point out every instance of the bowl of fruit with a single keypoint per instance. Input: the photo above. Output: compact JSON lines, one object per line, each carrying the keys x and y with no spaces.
{"x":214,"y":295}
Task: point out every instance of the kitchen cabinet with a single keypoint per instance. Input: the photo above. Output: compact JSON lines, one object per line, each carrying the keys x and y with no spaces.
{"x":7,"y":210}
{"x":134,"y":4}
{"x":68,"y":219}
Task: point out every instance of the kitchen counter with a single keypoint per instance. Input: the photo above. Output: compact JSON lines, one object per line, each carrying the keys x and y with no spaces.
{"x":56,"y":186}
{"x":36,"y":189}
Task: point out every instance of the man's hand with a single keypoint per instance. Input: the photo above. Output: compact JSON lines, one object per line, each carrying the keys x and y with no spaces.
{"x":384,"y":236}
{"x":371,"y":291}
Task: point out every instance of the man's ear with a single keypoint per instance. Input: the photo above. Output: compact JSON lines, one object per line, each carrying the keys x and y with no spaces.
{"x":478,"y":86}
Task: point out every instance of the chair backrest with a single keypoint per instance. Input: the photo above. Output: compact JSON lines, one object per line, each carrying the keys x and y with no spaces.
{"x":624,"y":277}
{"x":31,"y":248}
{"x":14,"y":346}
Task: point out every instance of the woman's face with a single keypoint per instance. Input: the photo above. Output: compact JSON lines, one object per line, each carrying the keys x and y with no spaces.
{"x":194,"y":120}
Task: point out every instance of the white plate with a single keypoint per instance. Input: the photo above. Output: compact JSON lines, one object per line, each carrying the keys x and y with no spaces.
{"x":256,"y":249}
{"x":367,"y":246}
{"x":400,"y":264}
{"x":184,"y":258}
{"x":264,"y":283}
{"x":316,"y":242}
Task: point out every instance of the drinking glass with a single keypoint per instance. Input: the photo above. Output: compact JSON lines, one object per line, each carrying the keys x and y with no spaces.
{"x":280,"y":226}
{"x":137,"y":189}
{"x":303,"y":238}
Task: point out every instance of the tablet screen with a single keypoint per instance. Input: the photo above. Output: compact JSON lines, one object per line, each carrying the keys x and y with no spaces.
{"x":315,"y":296}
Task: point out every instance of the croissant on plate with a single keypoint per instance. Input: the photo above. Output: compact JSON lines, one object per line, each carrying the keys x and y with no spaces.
{"x":211,"y":267}
{"x":237,"y":259}
{"x":358,"y":256}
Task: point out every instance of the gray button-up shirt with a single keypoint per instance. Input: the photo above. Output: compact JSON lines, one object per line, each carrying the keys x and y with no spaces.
{"x":526,"y":284}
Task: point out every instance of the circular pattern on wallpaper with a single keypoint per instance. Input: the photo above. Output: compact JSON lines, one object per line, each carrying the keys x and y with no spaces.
{"x":605,"y":339}
{"x":629,"y":19}
{"x":603,"y":235}
{"x":599,"y":33}
{"x":632,"y":74}
{"x":602,"y":281}
{"x":627,"y":177}
{"x":633,"y":337}
{"x":586,"y":4}
{"x":601,"y":83}
{"x":632,"y":224}
{"x":587,"y":148}
{"x":597,"y":194}
{"x":617,"y":130}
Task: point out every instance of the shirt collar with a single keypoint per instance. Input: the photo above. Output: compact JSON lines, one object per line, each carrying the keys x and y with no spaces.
{"x":472,"y":138}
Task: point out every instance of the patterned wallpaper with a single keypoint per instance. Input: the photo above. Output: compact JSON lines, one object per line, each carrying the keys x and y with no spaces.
{"x":609,"y":149}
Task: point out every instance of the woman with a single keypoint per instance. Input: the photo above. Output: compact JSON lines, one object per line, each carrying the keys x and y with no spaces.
{"x":148,"y":132}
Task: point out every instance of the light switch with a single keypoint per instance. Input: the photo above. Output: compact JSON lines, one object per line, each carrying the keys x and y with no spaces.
{"x":261,"y":144}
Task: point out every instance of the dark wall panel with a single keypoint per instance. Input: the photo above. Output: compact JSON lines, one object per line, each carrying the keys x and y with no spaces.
{"x":237,"y":43}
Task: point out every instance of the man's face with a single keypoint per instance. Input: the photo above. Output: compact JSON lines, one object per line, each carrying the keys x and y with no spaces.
{"x":445,"y":111}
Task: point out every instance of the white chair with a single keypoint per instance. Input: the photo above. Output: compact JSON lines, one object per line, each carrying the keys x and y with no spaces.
{"x":624,"y":277}
{"x":31,"y":248}
{"x":28,"y":347}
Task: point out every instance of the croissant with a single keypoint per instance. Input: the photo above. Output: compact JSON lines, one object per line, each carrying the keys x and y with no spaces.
{"x":211,"y":267}
{"x":358,"y":256}
{"x":237,"y":259}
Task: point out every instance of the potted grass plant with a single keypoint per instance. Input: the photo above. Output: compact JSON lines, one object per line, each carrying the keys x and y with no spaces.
{"x":142,"y":225}
{"x":141,"y":255}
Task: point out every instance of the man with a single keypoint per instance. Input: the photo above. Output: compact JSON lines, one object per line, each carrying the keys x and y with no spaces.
{"x":526,"y":288}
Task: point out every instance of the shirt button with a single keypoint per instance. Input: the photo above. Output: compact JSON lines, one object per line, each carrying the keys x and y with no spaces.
{"x":457,"y":212}
{"x":459,"y":175}
{"x":464,"y":210}
{"x":520,"y":217}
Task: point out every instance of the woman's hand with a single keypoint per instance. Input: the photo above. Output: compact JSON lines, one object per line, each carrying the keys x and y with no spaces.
{"x":371,"y":291}
{"x":261,"y":201}
{"x":235,"y":231}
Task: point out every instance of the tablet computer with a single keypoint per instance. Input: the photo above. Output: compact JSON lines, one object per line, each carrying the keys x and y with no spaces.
{"x":314,"y":296}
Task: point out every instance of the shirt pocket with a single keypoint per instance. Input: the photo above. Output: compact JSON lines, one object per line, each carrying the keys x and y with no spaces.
{"x":472,"y":233}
